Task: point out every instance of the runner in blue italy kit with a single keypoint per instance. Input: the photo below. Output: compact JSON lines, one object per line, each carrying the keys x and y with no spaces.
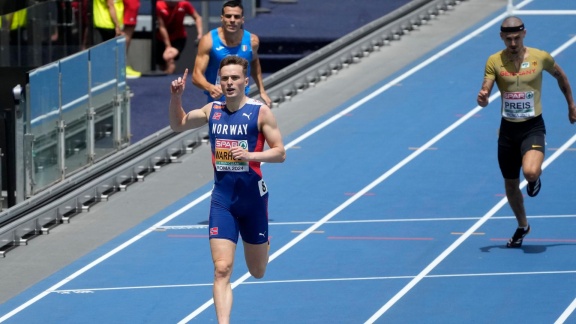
{"x":219,"y":50}
{"x":228,"y":39}
{"x":239,"y":128}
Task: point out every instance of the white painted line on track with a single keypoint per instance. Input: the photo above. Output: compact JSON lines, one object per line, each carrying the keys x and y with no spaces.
{"x":392,"y":220}
{"x":544,"y":12}
{"x":562,"y":319}
{"x":313,"y":280}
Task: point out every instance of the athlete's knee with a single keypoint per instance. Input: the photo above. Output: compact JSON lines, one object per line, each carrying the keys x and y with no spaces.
{"x":222,"y":269}
{"x":532,"y":174}
{"x":258,"y":271}
{"x":257,"y":267}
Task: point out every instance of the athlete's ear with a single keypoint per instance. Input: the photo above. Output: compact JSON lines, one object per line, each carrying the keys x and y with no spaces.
{"x":246,"y":81}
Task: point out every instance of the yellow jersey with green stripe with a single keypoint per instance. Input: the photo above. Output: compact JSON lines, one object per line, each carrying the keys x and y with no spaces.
{"x":520,"y":89}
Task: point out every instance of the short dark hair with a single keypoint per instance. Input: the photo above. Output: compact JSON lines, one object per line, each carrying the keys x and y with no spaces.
{"x":233,"y":4}
{"x":235,"y":60}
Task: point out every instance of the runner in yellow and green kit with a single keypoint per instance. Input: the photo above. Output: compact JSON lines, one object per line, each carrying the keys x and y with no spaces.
{"x":517,"y":71}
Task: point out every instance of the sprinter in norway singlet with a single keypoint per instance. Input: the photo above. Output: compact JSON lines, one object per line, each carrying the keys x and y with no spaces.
{"x":240,"y":196}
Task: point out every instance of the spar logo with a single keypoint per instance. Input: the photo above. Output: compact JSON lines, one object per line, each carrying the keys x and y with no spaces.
{"x":214,"y":231}
{"x":514,"y":95}
{"x":519,"y":95}
{"x":228,"y":144}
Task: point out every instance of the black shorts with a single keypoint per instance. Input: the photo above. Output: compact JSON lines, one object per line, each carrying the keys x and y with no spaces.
{"x":515,"y":139}
{"x":105,"y":34}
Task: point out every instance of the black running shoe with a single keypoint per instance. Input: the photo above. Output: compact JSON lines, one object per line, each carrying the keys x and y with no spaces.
{"x":533,"y":188}
{"x":518,"y":237}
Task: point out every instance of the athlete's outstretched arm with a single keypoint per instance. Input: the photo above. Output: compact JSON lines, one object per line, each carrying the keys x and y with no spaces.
{"x":179,"y":120}
{"x":484,"y":94}
{"x":564,"y":85}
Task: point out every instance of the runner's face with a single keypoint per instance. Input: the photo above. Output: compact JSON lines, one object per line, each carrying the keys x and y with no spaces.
{"x":232,"y":19}
{"x":232,"y":80}
{"x":514,"y":41}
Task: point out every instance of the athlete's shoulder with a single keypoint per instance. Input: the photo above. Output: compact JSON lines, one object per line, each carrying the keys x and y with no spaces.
{"x":254,"y":39}
{"x":218,"y":104}
{"x":495,"y":58}
{"x":214,"y":32}
{"x":545,"y":58}
{"x":538,"y":52}
{"x":254,"y":102}
{"x":497,"y":55}
{"x":206,"y":42}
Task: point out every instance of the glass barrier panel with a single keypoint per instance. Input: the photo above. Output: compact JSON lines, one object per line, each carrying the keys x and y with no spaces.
{"x":124,"y":130}
{"x":75,"y":107}
{"x":103,"y":91}
{"x":43,"y":118}
{"x":121,"y":63}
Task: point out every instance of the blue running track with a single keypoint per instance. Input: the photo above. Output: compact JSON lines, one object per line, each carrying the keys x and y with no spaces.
{"x":390,"y":209}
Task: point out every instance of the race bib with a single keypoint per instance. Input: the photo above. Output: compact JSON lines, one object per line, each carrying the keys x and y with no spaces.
{"x":262,"y":187}
{"x":223,"y":157}
{"x":518,"y":104}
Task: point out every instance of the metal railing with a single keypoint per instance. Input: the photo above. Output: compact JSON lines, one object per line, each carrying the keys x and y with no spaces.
{"x":72,"y":114}
{"x":76,"y":113}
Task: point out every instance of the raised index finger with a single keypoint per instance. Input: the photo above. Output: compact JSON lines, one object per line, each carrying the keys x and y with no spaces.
{"x":184,"y":76}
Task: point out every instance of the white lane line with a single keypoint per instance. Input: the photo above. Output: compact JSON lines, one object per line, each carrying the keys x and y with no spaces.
{"x":544,"y":12}
{"x":288,"y":281}
{"x":392,"y":220}
{"x":564,"y":317}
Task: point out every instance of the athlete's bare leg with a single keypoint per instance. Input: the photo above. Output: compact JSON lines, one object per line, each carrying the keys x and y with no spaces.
{"x":532,"y":165}
{"x":256,"y":258}
{"x":223,"y":258}
{"x":516,"y":200}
